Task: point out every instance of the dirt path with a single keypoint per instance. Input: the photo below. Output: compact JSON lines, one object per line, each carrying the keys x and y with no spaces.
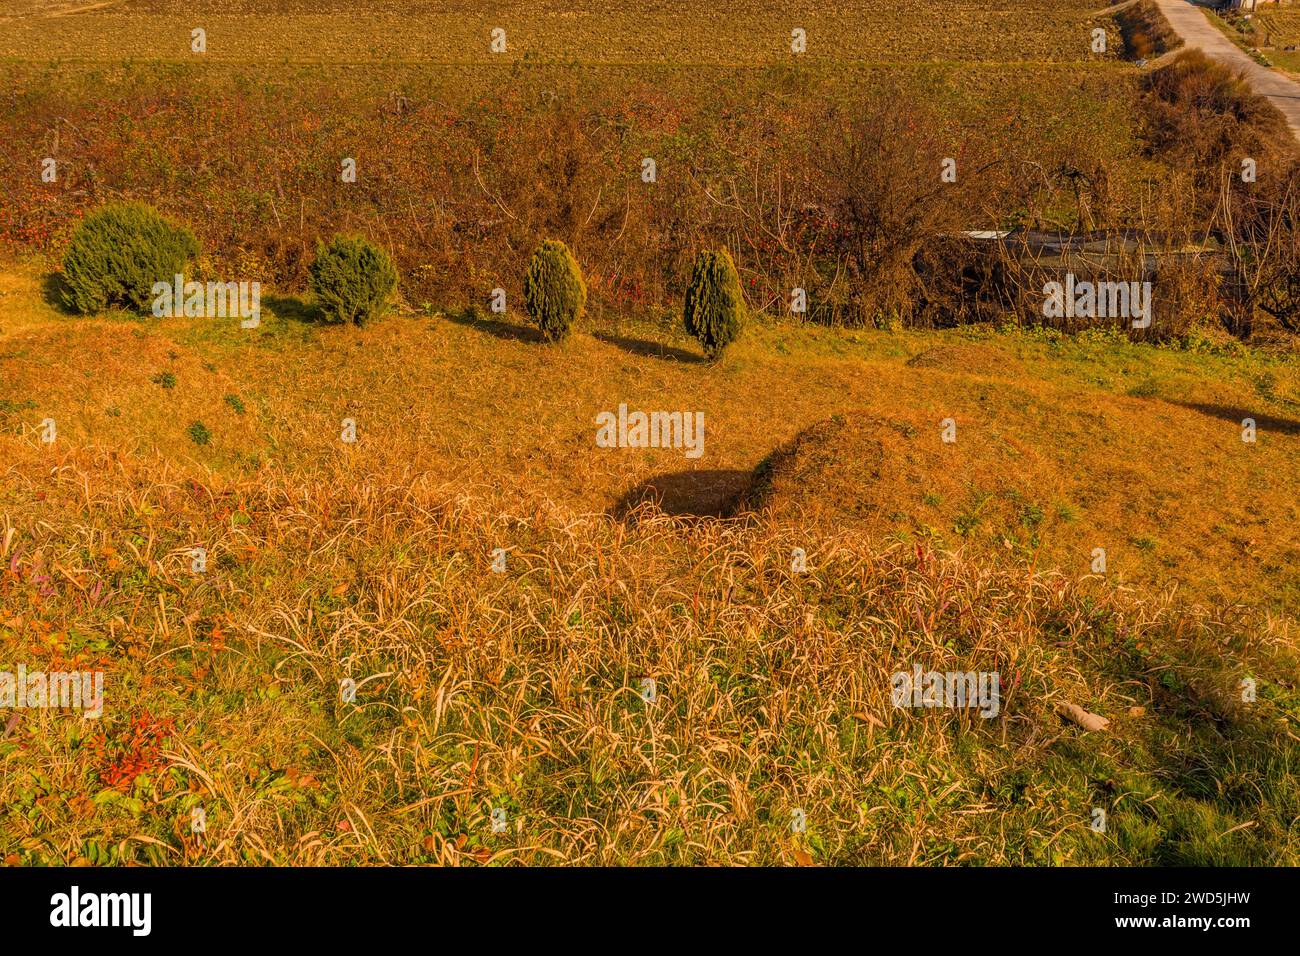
{"x":1197,"y":31}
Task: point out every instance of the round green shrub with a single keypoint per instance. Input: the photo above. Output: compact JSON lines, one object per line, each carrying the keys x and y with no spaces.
{"x":117,"y":254}
{"x":715,"y":309}
{"x":554,"y":292}
{"x":353,"y":279}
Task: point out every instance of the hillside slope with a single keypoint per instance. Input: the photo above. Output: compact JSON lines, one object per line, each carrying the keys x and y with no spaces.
{"x":528,"y":690}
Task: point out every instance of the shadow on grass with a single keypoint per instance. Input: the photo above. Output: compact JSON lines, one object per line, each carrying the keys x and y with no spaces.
{"x":53,"y":289}
{"x":649,"y":349}
{"x":1266,"y":423}
{"x":1225,"y":768}
{"x":474,"y":319}
{"x":55,"y":286}
{"x":685,"y":494}
{"x":495,"y":327}
{"x":294,"y":309}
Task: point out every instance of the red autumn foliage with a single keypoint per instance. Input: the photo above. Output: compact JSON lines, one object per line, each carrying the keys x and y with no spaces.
{"x":121,"y":761}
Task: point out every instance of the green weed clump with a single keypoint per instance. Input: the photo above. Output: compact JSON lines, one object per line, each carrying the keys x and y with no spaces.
{"x":118,"y":253}
{"x":715,"y":308}
{"x":554,"y":292}
{"x":199,"y":433}
{"x":353,"y":279}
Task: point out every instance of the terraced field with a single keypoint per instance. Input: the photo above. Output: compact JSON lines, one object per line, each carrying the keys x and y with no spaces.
{"x":589,"y":31}
{"x":1281,"y":25}
{"x":1013,"y":84}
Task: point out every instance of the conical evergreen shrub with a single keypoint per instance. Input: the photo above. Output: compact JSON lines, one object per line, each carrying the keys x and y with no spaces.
{"x":554,"y":292}
{"x":715,"y":308}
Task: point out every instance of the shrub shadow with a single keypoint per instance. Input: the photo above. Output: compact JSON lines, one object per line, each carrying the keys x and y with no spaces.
{"x":649,"y":349}
{"x":294,"y":309}
{"x":1230,"y":413}
{"x":495,"y":327}
{"x":686,"y":494}
{"x":53,"y":287}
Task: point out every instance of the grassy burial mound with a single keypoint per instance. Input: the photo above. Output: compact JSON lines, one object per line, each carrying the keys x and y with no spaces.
{"x":1167,"y":489}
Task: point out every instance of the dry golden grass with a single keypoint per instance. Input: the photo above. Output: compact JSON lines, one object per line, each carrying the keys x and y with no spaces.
{"x":522,"y":690}
{"x":1065,"y":444}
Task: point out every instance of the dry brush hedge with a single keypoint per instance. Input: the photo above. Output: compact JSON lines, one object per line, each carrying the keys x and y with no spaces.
{"x":811,"y":182}
{"x":254,"y":164}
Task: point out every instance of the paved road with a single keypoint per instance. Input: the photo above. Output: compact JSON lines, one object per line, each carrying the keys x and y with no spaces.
{"x":1197,"y":31}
